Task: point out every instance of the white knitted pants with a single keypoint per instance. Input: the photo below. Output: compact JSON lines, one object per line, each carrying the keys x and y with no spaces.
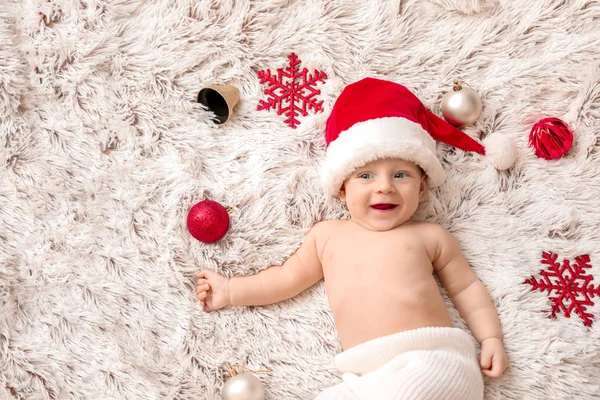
{"x":422,"y":364}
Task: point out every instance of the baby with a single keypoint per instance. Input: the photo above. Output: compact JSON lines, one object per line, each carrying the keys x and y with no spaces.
{"x":378,"y":266}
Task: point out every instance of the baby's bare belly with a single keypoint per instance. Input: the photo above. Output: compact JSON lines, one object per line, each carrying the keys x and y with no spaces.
{"x":385,"y":310}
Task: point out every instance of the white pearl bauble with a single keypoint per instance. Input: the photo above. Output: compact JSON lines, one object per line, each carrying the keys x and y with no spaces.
{"x":244,"y":386}
{"x":461,"y":107}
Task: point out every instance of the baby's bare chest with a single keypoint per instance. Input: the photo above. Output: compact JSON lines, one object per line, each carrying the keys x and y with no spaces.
{"x":377,"y":257}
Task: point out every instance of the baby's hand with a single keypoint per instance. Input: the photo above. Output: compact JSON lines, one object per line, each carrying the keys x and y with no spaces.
{"x":493,"y":358}
{"x":212,"y":290}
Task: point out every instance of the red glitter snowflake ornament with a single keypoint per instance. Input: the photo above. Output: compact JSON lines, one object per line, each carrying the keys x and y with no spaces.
{"x":571,"y":285}
{"x":291,"y":97}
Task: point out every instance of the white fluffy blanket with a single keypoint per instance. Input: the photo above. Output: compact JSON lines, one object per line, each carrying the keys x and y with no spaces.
{"x":103,"y":150}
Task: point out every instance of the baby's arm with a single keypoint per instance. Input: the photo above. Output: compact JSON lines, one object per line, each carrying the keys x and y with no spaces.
{"x":281,"y":282}
{"x":276,"y":283}
{"x":472,"y":300}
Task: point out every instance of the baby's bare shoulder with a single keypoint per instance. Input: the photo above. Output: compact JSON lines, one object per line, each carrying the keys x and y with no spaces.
{"x":431,"y":231}
{"x":320,"y":233}
{"x":434,"y":236}
{"x":328,"y":227}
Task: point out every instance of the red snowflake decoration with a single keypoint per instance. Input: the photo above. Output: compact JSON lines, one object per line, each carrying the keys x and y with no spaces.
{"x":571,"y":285}
{"x":298,"y":96}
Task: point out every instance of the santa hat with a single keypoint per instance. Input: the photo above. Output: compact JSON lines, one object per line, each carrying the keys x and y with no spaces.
{"x":375,"y":119}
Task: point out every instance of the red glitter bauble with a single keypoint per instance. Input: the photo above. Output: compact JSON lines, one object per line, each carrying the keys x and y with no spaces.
{"x":208,"y":221}
{"x":551,"y":138}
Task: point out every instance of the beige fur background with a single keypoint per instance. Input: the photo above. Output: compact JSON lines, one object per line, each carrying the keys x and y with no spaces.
{"x":103,"y":151}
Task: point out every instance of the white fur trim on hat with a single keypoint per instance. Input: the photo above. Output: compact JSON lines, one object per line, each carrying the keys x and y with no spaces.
{"x":367,"y":141}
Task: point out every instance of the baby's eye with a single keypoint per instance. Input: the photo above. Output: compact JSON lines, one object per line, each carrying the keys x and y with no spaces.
{"x":366,"y":175}
{"x":399,"y":175}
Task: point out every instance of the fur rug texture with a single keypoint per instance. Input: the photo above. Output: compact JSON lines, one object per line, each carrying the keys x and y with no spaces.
{"x":104,"y":149}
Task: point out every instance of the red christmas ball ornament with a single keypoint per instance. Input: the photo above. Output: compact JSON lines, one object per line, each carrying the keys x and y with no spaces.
{"x":208,"y":221}
{"x":551,"y":138}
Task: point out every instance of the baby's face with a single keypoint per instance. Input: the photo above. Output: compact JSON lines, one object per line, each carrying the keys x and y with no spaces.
{"x":385,"y":193}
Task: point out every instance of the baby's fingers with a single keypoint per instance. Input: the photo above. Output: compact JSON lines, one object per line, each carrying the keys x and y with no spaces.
{"x":492,"y":373}
{"x":202,"y":274}
{"x":201,"y":281}
{"x":495,"y":369}
{"x":202,"y":295}
{"x":202,"y":288}
{"x":486,"y":360}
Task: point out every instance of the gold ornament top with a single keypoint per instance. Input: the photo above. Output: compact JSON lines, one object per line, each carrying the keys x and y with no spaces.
{"x":457,"y":85}
{"x":232,"y":369}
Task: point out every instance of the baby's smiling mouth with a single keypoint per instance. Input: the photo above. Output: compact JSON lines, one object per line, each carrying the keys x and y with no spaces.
{"x":384,"y":206}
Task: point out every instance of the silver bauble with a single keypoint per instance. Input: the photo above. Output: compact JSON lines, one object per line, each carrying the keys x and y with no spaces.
{"x":244,"y":386}
{"x":461,"y":106}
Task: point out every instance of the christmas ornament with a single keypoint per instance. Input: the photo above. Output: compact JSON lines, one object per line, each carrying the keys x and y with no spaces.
{"x":291,"y":97}
{"x":208,"y":221}
{"x":243,"y":386}
{"x":551,"y":138}
{"x":572,"y":287}
{"x":220,"y":100}
{"x":461,"y":106}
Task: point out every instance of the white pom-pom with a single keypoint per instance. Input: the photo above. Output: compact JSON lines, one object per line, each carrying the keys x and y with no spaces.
{"x":500,"y":150}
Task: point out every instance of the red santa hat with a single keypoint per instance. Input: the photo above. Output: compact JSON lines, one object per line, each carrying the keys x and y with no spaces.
{"x":375,"y":119}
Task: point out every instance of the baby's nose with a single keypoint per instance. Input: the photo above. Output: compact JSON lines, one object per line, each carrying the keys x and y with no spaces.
{"x":385,"y":186}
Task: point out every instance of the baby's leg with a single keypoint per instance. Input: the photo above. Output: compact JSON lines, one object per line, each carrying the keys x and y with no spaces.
{"x":337,"y":392}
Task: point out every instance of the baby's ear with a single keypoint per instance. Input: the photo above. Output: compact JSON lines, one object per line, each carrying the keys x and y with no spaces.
{"x":423,"y":188}
{"x":342,"y":193}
